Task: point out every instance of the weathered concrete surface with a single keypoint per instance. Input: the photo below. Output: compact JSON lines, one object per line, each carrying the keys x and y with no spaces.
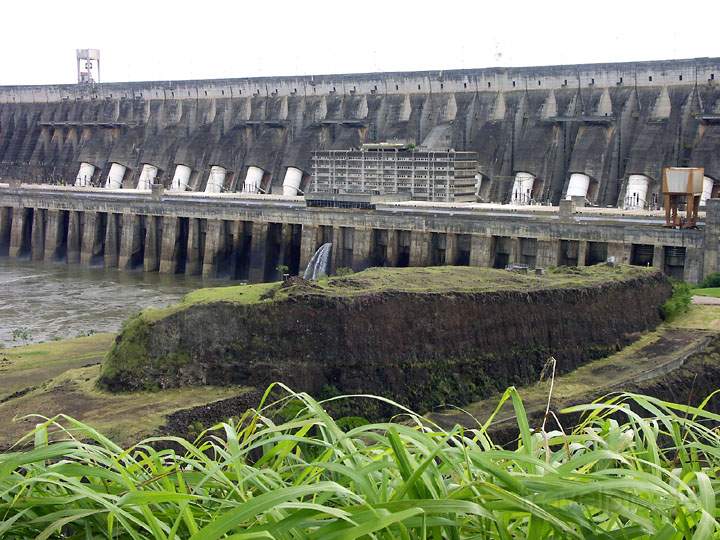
{"x":250,"y":237}
{"x":605,"y":120}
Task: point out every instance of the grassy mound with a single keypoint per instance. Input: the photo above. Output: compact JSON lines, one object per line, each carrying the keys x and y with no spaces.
{"x":636,"y":467}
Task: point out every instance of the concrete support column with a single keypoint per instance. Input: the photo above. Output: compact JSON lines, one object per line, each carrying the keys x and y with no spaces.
{"x":258,"y":252}
{"x":151,"y":255}
{"x":481,"y":252}
{"x":693,"y":265}
{"x":582,"y":252}
{"x":451,"y":249}
{"x":193,"y":267}
{"x":168,"y":245}
{"x":213,"y":245}
{"x":37,"y":242}
{"x":112,"y":242}
{"x":130,"y":241}
{"x":16,"y":231}
{"x":89,"y":234}
{"x":419,"y":248}
{"x":659,"y":258}
{"x":308,"y":244}
{"x":53,"y":234}
{"x":393,"y":251}
{"x":712,"y":237}
{"x":5,"y":228}
{"x":74,"y":238}
{"x":362,"y":249}
{"x":514,"y":250}
{"x":621,"y":252}
{"x":285,"y":244}
{"x":547,"y":253}
{"x":338,"y":245}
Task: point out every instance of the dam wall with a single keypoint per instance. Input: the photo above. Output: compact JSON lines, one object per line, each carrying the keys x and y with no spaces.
{"x":603,"y":121}
{"x":256,"y":237}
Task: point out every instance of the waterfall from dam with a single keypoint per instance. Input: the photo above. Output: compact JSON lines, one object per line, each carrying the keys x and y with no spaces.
{"x":319,"y":264}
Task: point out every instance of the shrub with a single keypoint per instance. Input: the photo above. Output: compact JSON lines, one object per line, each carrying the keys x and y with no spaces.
{"x":711,"y":281}
{"x":678,"y":303}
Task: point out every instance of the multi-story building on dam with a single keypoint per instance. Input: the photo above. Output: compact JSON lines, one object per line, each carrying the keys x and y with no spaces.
{"x":228,"y":160}
{"x":426,"y":175}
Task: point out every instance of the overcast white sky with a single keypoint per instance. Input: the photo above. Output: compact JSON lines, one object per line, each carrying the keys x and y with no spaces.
{"x":153,"y":40}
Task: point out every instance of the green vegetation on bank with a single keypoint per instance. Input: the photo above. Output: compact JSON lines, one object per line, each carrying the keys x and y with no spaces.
{"x":635,"y":467}
{"x":679,"y":302}
{"x":431,"y":280}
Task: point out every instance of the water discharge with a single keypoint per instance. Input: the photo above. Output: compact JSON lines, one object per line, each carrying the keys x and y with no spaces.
{"x":54,"y":301}
{"x":319,"y":264}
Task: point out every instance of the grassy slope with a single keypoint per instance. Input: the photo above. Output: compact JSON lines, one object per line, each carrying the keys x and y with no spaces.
{"x":59,"y":377}
{"x":662,"y":346}
{"x":436,"y":280}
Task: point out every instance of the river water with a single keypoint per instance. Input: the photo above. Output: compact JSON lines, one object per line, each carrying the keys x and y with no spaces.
{"x":51,"y":301}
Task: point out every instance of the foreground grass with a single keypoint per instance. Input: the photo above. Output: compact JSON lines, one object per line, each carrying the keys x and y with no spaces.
{"x":636,"y":467}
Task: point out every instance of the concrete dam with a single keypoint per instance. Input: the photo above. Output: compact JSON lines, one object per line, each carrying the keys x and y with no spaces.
{"x":228,"y":159}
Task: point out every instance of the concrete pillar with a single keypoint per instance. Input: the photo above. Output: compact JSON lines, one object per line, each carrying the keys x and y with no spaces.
{"x":37,"y":242}
{"x":481,"y":252}
{"x":693,"y":265}
{"x":451,"y":249}
{"x":659,"y":258}
{"x":337,"y":247}
{"x":112,"y":242}
{"x":620,"y":251}
{"x":168,"y":245}
{"x":419,"y":248}
{"x":393,"y":249}
{"x":308,"y":244}
{"x":285,"y":244}
{"x":130,"y":241}
{"x":258,"y":252}
{"x":582,"y":252}
{"x":547,"y":253}
{"x":19,"y":216}
{"x":514,"y":250}
{"x":74,"y":238}
{"x":53,"y":234}
{"x":214,"y":243}
{"x":151,"y":254}
{"x":89,"y":234}
{"x":362,"y":249}
{"x":5,"y":228}
{"x":712,"y":237}
{"x":193,"y":267}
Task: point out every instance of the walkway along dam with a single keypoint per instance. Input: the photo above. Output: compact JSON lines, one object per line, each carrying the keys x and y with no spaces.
{"x":228,"y":159}
{"x":249,"y":236}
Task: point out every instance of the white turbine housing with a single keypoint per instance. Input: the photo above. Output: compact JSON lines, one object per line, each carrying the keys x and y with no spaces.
{"x":181,"y":178}
{"x":216,"y":180}
{"x":253,"y":180}
{"x":291,"y":182}
{"x":522,"y":188}
{"x":636,"y":192}
{"x":147,"y":176}
{"x":707,"y":190}
{"x":115,"y":176}
{"x":84,"y":175}
{"x":578,"y":186}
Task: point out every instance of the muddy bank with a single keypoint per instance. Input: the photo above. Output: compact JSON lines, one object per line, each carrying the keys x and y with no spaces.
{"x":421,"y":349}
